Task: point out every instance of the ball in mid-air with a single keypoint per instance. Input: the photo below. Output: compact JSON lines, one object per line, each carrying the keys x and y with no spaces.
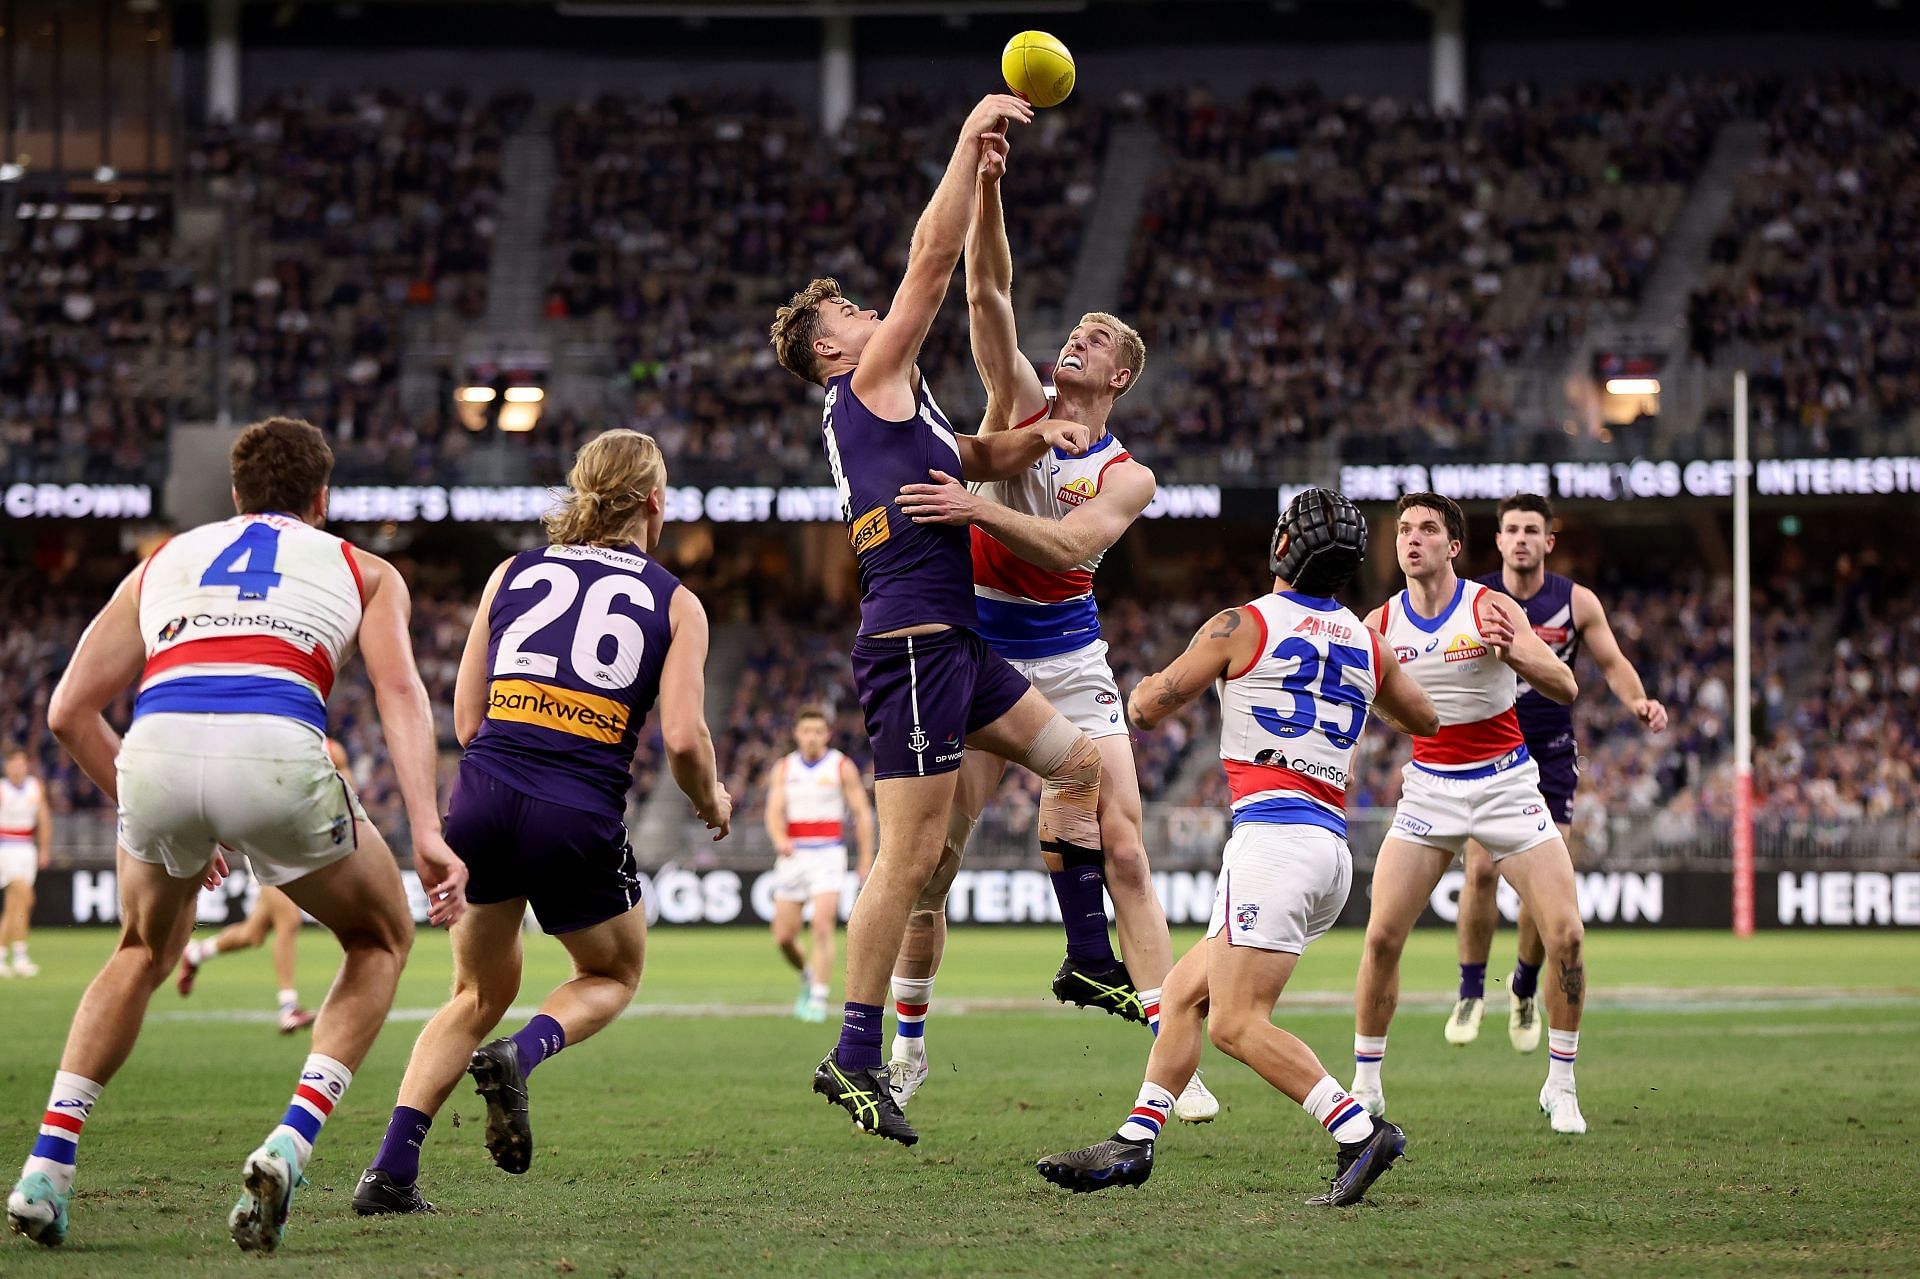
{"x":1038,"y":68}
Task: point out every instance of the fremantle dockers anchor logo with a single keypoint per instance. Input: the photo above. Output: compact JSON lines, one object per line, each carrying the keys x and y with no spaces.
{"x":917,"y":740}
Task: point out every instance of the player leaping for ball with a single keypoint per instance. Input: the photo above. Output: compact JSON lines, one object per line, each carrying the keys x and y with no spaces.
{"x":1473,"y":780}
{"x":929,"y":685}
{"x":1037,"y":540}
{"x":1565,"y":615}
{"x":1297,"y":673}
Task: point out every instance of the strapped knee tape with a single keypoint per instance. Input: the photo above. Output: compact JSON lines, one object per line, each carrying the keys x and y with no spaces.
{"x":1069,"y":763}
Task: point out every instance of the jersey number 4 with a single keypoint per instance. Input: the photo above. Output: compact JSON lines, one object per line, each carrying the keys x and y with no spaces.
{"x":247,"y":563}
{"x":596,"y":626}
{"x":1331,"y":676}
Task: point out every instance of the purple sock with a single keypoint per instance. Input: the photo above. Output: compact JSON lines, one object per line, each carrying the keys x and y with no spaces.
{"x":538,"y":1040}
{"x":1526,"y":979}
{"x":1080,"y":887}
{"x":399,"y":1155}
{"x":1473,"y":981}
{"x":860,"y":1037}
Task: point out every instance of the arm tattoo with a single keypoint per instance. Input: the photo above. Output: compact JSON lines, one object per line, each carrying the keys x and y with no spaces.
{"x":1229,"y":622}
{"x":1573,"y":981}
{"x":1168,"y":698}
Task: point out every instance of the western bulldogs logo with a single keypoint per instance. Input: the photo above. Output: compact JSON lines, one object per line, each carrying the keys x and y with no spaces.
{"x":342,"y":826}
{"x":1246,"y":916}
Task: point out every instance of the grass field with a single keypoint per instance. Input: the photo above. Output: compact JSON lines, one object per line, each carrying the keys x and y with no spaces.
{"x":1754,"y":1108}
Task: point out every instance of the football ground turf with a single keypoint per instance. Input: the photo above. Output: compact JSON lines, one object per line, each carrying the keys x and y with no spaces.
{"x":1754,"y":1108}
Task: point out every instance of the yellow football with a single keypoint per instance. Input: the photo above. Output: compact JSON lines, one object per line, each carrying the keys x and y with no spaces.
{"x":1038,"y":67}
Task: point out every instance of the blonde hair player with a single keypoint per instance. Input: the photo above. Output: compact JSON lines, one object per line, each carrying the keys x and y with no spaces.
{"x":1296,"y":674}
{"x":26,"y":848}
{"x":1473,"y":780}
{"x":1037,"y":540}
{"x":813,"y":794}
{"x":1566,"y":616}
{"x":233,"y":632}
{"x":273,"y":915}
{"x":570,"y":648}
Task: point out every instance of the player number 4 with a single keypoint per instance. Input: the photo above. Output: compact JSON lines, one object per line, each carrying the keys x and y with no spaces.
{"x":247,"y":563}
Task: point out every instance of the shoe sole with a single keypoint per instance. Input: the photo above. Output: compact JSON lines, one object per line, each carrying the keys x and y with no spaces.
{"x":1083,"y":1181}
{"x":1207,"y":1118}
{"x":37,"y":1231}
{"x":250,"y":1224}
{"x":366,"y":1209}
{"x":508,"y":1140}
{"x":826,"y":1089}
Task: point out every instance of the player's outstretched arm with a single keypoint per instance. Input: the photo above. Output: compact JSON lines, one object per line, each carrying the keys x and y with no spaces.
{"x":1398,"y":698}
{"x":1059,"y":544}
{"x":1014,"y":392}
{"x":860,"y":808}
{"x":776,"y":816}
{"x":1005,"y":454}
{"x":1506,"y":629}
{"x":470,"y":686}
{"x":406,"y":720}
{"x":881,"y":381}
{"x":109,"y":657}
{"x":683,"y":719}
{"x":1226,"y":646}
{"x":1590,"y":619}
{"x":43,"y":829}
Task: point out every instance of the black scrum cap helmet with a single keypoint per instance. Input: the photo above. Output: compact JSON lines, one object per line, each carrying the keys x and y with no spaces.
{"x":1327,"y":540}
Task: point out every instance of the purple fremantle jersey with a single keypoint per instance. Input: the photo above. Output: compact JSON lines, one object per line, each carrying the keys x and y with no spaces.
{"x":1547,"y":725}
{"x":577,"y":637}
{"x":910,"y":574}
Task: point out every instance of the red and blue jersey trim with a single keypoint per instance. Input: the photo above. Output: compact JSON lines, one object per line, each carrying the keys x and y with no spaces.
{"x":1285,"y":810}
{"x":233,"y":695}
{"x":1026,"y":632}
{"x":1457,"y":746}
{"x":312,"y":665}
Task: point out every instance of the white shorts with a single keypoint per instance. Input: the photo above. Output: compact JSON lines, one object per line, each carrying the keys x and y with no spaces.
{"x":260,"y":784}
{"x":1281,"y":887}
{"x":807,"y":873}
{"x":1505,"y":812}
{"x":19,"y":862}
{"x":1080,"y":686}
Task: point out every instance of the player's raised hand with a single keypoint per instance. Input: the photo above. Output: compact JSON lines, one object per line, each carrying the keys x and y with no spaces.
{"x":993,"y":155}
{"x":1068,"y":437}
{"x":994,"y":112}
{"x":1497,"y":629}
{"x":1651,"y":713}
{"x":945,"y":501}
{"x":443,"y":877}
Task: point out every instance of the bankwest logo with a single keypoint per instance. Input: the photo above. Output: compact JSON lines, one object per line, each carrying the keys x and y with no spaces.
{"x":870,"y":530}
{"x":1077,"y":491}
{"x":1464,"y":649}
{"x":599,"y":719}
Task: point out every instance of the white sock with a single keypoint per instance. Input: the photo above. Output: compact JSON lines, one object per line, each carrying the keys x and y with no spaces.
{"x":199,"y":952}
{"x":1150,"y":1006}
{"x":911,"y":998}
{"x":68,"y":1106}
{"x":289,"y":999}
{"x":1336,"y":1111}
{"x":19,"y":952}
{"x":819,"y":991}
{"x":1150,"y":1111}
{"x":1562,"y":1047}
{"x":323,"y":1082}
{"x":1368,"y":1052}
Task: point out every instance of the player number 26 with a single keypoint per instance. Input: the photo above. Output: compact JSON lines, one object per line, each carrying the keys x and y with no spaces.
{"x":596,"y":627}
{"x":1331,"y":676}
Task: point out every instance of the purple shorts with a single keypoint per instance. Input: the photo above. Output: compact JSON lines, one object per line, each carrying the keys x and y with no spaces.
{"x":574,"y":866}
{"x":1559,"y":775}
{"x":924,"y":694}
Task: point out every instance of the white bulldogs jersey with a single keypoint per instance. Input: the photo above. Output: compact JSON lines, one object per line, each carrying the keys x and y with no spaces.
{"x":1028,"y":612}
{"x":1290,"y":721}
{"x":816,"y":804}
{"x":1471,"y":688}
{"x":252,"y":615}
{"x":20,"y":809}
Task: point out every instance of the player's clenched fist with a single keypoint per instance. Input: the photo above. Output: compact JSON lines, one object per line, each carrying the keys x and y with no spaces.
{"x":1068,"y":437}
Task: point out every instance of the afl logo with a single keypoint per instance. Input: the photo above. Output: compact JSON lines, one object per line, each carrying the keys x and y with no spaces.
{"x":1105,"y":699}
{"x":1533,"y":810}
{"x":171,"y":631}
{"x":1404,"y":653}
